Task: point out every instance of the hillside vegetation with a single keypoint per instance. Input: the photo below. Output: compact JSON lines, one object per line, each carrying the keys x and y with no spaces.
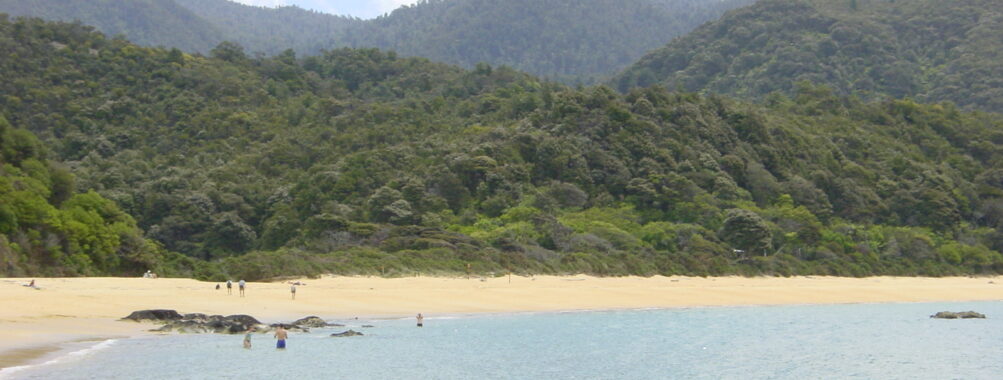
{"x":572,"y":41}
{"x":48,"y":228}
{"x":928,"y":50}
{"x":363,"y":162}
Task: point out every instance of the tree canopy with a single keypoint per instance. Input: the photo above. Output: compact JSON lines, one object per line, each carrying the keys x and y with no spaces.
{"x":47,"y":227}
{"x":928,"y":50}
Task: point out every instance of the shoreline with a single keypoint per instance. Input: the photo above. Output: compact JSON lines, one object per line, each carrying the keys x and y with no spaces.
{"x":28,"y":357}
{"x":37,"y":323}
{"x":15,"y":360}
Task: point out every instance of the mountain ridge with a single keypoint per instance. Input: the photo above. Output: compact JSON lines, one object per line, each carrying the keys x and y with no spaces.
{"x":572,"y":41}
{"x":931,"y":51}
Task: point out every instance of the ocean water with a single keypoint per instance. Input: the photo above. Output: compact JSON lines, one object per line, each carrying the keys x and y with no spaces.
{"x":860,"y":341}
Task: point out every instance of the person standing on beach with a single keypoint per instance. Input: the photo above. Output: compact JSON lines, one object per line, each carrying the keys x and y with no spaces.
{"x":241,"y":285}
{"x":229,"y":287}
{"x":421,"y":320}
{"x":293,"y":290}
{"x":281,"y":335}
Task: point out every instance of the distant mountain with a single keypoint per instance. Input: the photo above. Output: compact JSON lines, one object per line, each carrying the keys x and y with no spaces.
{"x":930,"y":50}
{"x":271,"y":30}
{"x":569,"y":40}
{"x":145,"y":22}
{"x":561,"y":39}
{"x":194,"y":25}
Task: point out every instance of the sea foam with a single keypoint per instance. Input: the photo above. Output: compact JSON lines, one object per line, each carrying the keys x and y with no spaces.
{"x":8,"y":372}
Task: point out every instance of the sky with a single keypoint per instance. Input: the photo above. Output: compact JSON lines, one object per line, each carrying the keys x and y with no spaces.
{"x":359,"y":8}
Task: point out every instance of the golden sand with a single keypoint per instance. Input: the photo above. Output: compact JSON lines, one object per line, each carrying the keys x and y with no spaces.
{"x":67,"y":309}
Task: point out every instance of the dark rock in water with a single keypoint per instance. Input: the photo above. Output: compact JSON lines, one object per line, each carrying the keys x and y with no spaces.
{"x":195,"y":317}
{"x":242,"y":319}
{"x":229,"y":326}
{"x":335,"y":325}
{"x":288,"y":327}
{"x":311,"y":321}
{"x":194,"y":326}
{"x":186,"y":327}
{"x":158,"y":315}
{"x":971,"y":315}
{"x":236,"y":329}
{"x":196,"y":323}
{"x":347,"y":334}
{"x":368,"y":326}
{"x":958,"y":315}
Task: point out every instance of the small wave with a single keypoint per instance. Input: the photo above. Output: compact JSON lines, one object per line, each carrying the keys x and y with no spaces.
{"x":72,"y":355}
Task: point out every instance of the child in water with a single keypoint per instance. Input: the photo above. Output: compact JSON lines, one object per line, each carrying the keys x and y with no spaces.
{"x":247,"y":338}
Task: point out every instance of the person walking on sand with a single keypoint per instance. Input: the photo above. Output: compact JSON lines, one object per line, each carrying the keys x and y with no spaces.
{"x":421,"y":320}
{"x":281,"y":335}
{"x":241,"y":285}
{"x":229,"y":287}
{"x":293,"y":290}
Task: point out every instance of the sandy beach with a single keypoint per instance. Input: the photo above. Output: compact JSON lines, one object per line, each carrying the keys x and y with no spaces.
{"x":35,"y":321}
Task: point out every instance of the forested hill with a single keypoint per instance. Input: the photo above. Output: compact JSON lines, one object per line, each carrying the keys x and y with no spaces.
{"x":194,"y":25}
{"x":360,"y":161}
{"x":146,"y":22}
{"x":570,"y":40}
{"x":929,"y":50}
{"x":270,"y":30}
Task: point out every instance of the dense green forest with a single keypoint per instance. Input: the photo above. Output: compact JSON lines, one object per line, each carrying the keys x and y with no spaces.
{"x":49,"y":228}
{"x":361,"y":161}
{"x":928,"y":50}
{"x":568,"y":40}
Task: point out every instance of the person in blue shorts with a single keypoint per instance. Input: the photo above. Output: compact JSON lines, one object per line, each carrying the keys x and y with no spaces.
{"x":281,"y":335}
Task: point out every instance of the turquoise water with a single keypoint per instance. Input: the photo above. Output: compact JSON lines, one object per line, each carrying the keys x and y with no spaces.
{"x":868,"y":341}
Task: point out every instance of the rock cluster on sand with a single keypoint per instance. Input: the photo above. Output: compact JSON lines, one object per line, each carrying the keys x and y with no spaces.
{"x":195,"y":323}
{"x":958,"y":315}
{"x":159,"y":315}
